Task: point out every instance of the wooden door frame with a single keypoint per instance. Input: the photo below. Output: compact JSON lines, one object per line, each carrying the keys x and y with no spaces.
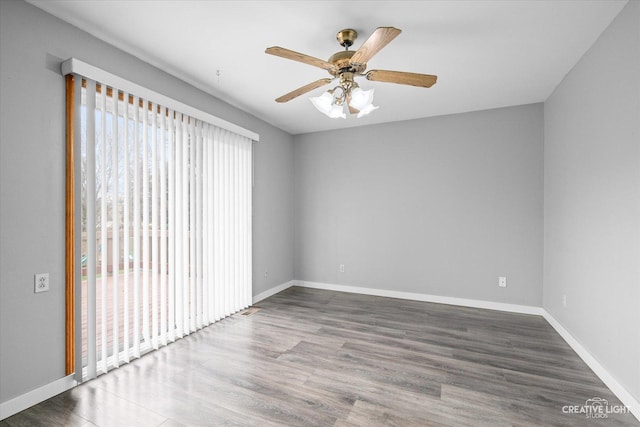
{"x":70,"y":230}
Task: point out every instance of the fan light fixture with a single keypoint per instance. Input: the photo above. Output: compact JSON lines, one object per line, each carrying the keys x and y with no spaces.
{"x":332,"y":102}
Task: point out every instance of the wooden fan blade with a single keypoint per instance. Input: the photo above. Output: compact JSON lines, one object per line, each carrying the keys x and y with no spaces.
{"x":304,"y":89}
{"x":401,"y":77}
{"x":300,"y":57}
{"x":381,"y":37}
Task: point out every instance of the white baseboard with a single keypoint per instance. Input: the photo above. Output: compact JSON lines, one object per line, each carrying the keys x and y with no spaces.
{"x":269,"y":292}
{"x":33,"y":397}
{"x":512,"y":308}
{"x":625,"y":397}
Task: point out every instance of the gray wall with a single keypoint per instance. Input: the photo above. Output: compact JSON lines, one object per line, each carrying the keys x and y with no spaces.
{"x":32,"y":167}
{"x":592,"y":200}
{"x":439,"y":206}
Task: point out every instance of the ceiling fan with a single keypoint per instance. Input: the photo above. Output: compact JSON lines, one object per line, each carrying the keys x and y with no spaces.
{"x":346,"y":66}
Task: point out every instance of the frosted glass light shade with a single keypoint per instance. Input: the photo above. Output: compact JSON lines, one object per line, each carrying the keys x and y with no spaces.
{"x":366,"y":110}
{"x":324,"y":104}
{"x":337,"y":112}
{"x":361,"y":99}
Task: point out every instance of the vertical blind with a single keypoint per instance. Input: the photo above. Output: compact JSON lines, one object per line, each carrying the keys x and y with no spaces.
{"x":164,"y":226}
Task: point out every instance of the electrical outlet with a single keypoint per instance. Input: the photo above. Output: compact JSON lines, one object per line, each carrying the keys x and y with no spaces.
{"x":266,"y":274}
{"x":341,"y":268}
{"x":41,"y":282}
{"x":564,"y":301}
{"x":502,"y":282}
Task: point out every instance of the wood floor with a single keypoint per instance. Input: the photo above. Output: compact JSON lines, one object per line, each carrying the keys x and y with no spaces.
{"x":320,"y":358}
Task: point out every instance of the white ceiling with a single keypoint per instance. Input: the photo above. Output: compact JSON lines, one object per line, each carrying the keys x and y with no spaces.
{"x":486,"y":54}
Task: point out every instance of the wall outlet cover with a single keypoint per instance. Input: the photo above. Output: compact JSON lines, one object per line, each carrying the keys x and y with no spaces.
{"x":41,"y":282}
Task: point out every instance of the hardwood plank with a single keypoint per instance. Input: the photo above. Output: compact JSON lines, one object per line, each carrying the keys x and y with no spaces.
{"x":47,"y":412}
{"x":103,"y":408}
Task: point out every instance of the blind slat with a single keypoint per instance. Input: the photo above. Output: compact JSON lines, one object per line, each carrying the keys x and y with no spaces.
{"x":163,"y":228}
{"x":198,"y":227}
{"x":145,"y":226}
{"x":104,"y":248}
{"x":90,"y":209}
{"x":115,"y":230}
{"x":136,"y":228}
{"x":154,"y":227}
{"x":192,"y":229}
{"x":126,"y":229}
{"x":179,"y":229}
{"x":171,"y":227}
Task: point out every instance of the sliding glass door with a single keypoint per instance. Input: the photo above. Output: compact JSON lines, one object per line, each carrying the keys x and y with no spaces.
{"x":163,"y":224}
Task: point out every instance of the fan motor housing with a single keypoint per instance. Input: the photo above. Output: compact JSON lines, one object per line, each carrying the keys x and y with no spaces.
{"x":341,"y":61}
